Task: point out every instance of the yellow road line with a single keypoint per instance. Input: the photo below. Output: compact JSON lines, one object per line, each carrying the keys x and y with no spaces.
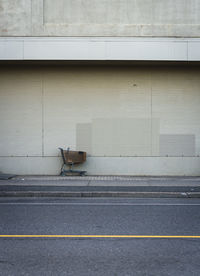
{"x":100,"y":236}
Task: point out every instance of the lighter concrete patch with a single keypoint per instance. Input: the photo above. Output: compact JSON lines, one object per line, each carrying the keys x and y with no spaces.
{"x":177,"y":145}
{"x":84,"y":138}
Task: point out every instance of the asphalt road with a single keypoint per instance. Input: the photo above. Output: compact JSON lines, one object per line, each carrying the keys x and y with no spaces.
{"x":118,"y":254}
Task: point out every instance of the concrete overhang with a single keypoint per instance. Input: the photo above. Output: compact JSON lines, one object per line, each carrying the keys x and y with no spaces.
{"x":99,"y":48}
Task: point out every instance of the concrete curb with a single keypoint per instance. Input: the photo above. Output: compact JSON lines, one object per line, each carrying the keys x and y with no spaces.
{"x":101,"y":194}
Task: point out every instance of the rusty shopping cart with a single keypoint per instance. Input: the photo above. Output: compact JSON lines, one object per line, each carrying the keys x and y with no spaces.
{"x":71,"y":158}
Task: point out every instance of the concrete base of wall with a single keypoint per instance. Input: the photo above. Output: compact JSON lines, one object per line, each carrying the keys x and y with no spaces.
{"x":105,"y":165}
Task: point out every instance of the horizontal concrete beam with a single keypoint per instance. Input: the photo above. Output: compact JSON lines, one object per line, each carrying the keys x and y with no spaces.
{"x":159,"y":166}
{"x":152,"y":49}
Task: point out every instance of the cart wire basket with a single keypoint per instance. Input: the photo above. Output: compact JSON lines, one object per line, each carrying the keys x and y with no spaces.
{"x":71,"y":158}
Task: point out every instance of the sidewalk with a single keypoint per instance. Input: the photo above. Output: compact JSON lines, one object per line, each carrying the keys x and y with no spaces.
{"x":100,"y":186}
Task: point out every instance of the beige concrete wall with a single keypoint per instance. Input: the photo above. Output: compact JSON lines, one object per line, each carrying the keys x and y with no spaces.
{"x":129,"y":119}
{"x":178,"y":18}
{"x":20,"y":112}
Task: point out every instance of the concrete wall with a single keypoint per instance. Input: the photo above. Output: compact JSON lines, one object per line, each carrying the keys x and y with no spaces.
{"x":172,"y":18}
{"x":141,"y":120}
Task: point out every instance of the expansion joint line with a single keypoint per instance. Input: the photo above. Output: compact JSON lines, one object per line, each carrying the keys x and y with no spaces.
{"x":104,"y":236}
